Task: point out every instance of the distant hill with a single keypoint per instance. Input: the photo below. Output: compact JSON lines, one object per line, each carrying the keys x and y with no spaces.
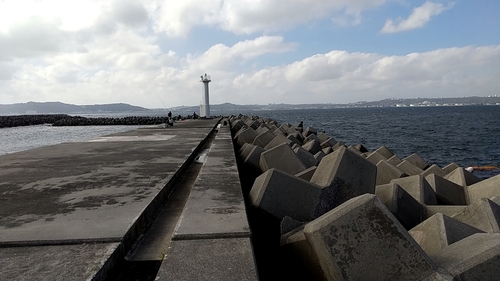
{"x":492,"y":100}
{"x":230,"y":108}
{"x":59,"y":107}
{"x":225,"y":107}
{"x":235,"y":108}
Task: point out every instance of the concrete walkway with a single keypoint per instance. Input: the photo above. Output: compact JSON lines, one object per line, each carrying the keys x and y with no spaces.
{"x":71,"y":211}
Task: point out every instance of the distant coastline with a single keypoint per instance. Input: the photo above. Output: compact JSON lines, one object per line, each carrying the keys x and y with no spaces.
{"x":62,"y":108}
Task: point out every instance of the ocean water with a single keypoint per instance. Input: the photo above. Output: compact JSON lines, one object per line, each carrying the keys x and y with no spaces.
{"x":466,"y":135}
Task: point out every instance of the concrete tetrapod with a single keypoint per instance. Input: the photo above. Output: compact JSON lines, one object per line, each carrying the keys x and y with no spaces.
{"x":350,"y":174}
{"x":375,"y":157}
{"x":483,"y":214}
{"x":476,"y":257}
{"x":418,"y":188}
{"x":384,"y":151}
{"x":312,"y":146}
{"x":362,"y":240}
{"x":278,"y":140}
{"x":461,"y":177}
{"x":282,"y":194}
{"x":439,"y":231}
{"x":263,"y":139}
{"x":409,"y":168}
{"x":447,"y":191}
{"x":416,"y":160}
{"x":307,"y":173}
{"x":401,"y":204}
{"x":281,"y":157}
{"x":246,"y":136}
{"x":487,"y":188}
{"x":387,"y":172}
{"x":305,"y":157}
{"x":433,"y":169}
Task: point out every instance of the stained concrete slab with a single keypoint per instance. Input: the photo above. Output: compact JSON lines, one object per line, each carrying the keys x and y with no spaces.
{"x":90,"y":190}
{"x":209,"y":259}
{"x":58,"y":262}
{"x":215,"y":207}
{"x":60,"y":199}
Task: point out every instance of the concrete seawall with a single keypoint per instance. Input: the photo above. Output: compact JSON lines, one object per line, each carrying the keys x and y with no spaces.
{"x":241,"y":198}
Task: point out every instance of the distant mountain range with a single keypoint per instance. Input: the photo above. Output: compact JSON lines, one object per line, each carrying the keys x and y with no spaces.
{"x":59,"y":107}
{"x":229,"y":108}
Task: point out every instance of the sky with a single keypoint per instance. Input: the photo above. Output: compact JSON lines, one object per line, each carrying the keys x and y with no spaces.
{"x":152,"y":53}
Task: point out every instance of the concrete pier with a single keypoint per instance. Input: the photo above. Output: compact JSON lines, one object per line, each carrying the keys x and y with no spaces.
{"x":73,"y":211}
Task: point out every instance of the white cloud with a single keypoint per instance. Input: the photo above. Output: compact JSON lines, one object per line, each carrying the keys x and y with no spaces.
{"x":70,"y":15}
{"x":418,"y":18}
{"x":112,"y":54}
{"x":177,"y":18}
{"x":341,"y":77}
{"x":33,"y":37}
{"x":135,"y":76}
{"x":220,"y":56}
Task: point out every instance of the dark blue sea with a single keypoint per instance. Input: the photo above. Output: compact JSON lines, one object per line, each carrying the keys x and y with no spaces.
{"x":466,"y":135}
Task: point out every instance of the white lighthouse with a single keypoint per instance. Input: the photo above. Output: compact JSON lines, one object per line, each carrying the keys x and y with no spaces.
{"x":205,"y":106}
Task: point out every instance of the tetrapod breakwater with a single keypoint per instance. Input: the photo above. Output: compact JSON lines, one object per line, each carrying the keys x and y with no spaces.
{"x":324,"y":210}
